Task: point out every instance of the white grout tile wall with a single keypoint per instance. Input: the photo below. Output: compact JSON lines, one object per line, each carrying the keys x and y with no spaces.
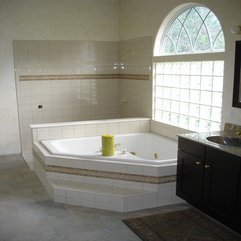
{"x":136,"y":56}
{"x":135,"y":95}
{"x":85,"y":128}
{"x":51,"y":100}
{"x":167,"y":130}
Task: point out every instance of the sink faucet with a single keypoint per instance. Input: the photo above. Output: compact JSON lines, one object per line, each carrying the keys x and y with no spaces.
{"x":238,"y":132}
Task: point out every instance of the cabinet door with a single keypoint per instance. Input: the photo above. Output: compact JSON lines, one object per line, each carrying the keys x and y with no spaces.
{"x":238,"y":221}
{"x":190,"y":178}
{"x":221,"y":182}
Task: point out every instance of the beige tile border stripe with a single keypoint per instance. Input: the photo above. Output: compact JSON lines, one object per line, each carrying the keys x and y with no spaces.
{"x":84,"y":76}
{"x":105,"y":174}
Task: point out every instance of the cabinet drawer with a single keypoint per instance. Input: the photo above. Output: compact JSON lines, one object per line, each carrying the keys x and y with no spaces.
{"x":192,"y":147}
{"x":223,"y":159}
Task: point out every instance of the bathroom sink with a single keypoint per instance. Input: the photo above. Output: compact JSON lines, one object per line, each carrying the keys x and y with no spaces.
{"x":225,"y":140}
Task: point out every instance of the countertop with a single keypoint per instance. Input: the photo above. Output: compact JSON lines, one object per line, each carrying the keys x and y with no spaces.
{"x":201,"y":138}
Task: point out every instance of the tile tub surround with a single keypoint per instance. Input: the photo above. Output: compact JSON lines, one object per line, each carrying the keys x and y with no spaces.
{"x":50,"y":131}
{"x":136,"y":95}
{"x":167,"y":130}
{"x":105,"y":192}
{"x":62,"y":81}
{"x":95,"y":168}
{"x":117,"y":186}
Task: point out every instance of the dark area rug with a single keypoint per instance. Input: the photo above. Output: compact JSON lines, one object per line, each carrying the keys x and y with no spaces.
{"x":182,"y":225}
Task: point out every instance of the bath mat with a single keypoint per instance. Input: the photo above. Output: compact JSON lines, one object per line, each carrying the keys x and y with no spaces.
{"x":183,"y":225}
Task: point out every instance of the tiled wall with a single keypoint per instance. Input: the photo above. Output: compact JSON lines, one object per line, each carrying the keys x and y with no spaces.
{"x":89,"y":128}
{"x":136,"y":57}
{"x":67,"y":99}
{"x":167,"y":130}
{"x":73,"y":81}
{"x":65,"y":57}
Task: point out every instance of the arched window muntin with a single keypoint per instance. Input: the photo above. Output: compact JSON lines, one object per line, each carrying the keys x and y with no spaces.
{"x":174,"y":16}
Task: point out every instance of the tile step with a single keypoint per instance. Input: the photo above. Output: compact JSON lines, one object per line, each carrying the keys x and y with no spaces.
{"x":99,"y":196}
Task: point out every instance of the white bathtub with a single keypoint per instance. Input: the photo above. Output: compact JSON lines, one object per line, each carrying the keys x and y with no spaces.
{"x":149,"y":148}
{"x":74,"y":172}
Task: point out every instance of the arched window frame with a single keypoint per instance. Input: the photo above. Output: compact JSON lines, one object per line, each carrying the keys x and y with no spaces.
{"x":167,"y":23}
{"x":160,"y":57}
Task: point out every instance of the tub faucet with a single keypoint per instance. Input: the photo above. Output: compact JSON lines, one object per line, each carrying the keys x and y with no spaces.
{"x":116,"y":146}
{"x":238,"y":132}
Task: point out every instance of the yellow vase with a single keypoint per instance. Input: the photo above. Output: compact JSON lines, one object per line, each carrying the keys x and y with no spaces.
{"x":108,"y":146}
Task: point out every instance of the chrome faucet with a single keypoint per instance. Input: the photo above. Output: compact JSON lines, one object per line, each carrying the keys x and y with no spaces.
{"x":116,"y":146}
{"x":238,"y":132}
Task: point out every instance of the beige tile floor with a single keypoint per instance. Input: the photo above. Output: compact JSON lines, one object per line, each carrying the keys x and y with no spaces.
{"x":27,"y":213}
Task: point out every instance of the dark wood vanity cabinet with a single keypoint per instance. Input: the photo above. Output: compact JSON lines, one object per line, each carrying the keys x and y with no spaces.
{"x":238,"y":218}
{"x":209,"y":179}
{"x":190,"y":171}
{"x":221,"y":184}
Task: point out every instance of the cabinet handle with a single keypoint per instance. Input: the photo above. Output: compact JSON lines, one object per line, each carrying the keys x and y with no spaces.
{"x":198,"y":163}
{"x":207,"y":166}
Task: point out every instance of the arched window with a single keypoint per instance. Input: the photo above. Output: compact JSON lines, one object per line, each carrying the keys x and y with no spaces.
{"x":188,"y":70}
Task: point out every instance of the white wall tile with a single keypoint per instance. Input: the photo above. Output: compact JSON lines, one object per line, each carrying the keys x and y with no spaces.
{"x":64,"y":100}
{"x":149,"y":200}
{"x":73,"y":201}
{"x":133,"y":203}
{"x":124,"y":128}
{"x":71,"y":100}
{"x":59,"y":192}
{"x":114,"y":128}
{"x":55,"y":133}
{"x":135,"y":169}
{"x":117,"y":207}
{"x":151,"y":171}
{"x":72,"y":194}
{"x":34,"y":134}
{"x":102,"y":198}
{"x":60,"y":199}
{"x":67,"y":132}
{"x":43,"y":133}
{"x":91,"y":130}
{"x":87,"y":198}
{"x":80,"y":131}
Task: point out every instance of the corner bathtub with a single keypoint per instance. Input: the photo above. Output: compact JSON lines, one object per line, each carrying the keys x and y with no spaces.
{"x":148,"y":148}
{"x":74,"y":171}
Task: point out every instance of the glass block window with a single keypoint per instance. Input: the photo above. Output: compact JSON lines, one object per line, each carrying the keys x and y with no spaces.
{"x":196,"y":29}
{"x":189,"y":94}
{"x":187,"y":88}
